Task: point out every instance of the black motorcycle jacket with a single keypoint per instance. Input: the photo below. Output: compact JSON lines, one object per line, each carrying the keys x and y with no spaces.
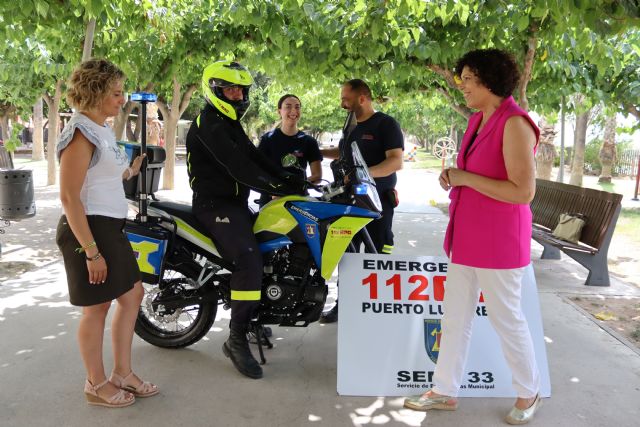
{"x":223,"y":163}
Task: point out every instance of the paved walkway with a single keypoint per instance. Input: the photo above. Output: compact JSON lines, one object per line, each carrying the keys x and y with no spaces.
{"x":595,"y":378}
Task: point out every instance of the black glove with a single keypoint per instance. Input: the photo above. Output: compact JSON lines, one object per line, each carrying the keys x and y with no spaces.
{"x":296,"y":183}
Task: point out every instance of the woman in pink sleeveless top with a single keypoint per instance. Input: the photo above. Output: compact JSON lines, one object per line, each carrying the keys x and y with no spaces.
{"x":489,"y":233}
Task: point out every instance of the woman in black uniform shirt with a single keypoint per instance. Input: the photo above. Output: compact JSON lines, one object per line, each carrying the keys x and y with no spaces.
{"x":288,"y":139}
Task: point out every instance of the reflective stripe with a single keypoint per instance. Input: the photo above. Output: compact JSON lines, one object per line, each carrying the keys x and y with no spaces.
{"x":245,"y":295}
{"x":387,"y":249}
{"x":198,"y":120}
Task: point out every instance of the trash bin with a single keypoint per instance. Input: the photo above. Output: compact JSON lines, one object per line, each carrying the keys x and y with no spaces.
{"x":16,"y":194}
{"x":155,"y":162}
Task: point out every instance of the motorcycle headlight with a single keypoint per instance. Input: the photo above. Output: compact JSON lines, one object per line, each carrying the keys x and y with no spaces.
{"x":369,"y":191}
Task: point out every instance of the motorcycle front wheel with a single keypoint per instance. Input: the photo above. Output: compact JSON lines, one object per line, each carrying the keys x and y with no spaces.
{"x":174,"y":328}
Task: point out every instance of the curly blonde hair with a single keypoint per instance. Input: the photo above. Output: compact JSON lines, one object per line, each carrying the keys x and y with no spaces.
{"x":90,"y":83}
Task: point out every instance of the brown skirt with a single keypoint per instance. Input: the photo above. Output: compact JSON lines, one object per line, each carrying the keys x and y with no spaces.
{"x":122,"y":268}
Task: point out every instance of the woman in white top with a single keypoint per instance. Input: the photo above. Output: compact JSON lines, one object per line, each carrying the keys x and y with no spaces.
{"x":98,"y":258}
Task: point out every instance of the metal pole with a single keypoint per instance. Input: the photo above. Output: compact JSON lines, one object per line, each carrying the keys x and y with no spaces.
{"x":635,"y":193}
{"x":561,"y":170}
{"x":143,"y":167}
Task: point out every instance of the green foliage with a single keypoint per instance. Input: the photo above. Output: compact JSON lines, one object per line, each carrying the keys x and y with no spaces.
{"x":629,"y":224}
{"x":592,"y":150}
{"x":13,"y":142}
{"x":195,"y":106}
{"x":403,"y":48}
{"x":424,"y":160}
{"x":427,"y":116}
{"x":320,"y":111}
{"x":567,"y":157}
{"x":591,"y":160}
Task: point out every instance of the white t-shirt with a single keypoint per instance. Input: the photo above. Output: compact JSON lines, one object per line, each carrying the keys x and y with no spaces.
{"x":102,"y":192}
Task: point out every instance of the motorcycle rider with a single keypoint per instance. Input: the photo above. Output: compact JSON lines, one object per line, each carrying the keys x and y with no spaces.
{"x":223,"y":165}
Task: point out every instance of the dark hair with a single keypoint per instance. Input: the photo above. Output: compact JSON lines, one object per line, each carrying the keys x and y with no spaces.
{"x":288,"y":95}
{"x":359,"y":86}
{"x":495,"y":68}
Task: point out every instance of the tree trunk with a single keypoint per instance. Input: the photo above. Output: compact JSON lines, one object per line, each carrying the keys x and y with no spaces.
{"x":6,"y":160}
{"x":37,"y":149}
{"x":137,"y":131}
{"x":4,"y":124}
{"x":607,"y":154}
{"x":7,"y":111}
{"x":154,"y":125}
{"x":88,"y":39}
{"x":579,"y":139}
{"x":546,"y":150}
{"x":54,"y":131}
{"x":528,"y":67}
{"x":122,"y":123}
{"x":121,"y":120}
{"x":171,"y":115}
{"x":129,"y":130}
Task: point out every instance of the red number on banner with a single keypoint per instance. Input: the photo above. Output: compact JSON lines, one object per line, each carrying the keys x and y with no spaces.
{"x":438,"y":287}
{"x":397,"y":290}
{"x":416,"y":295}
{"x":372,"y":281}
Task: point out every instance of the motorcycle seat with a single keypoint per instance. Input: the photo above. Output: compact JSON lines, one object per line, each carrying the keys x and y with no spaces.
{"x":182,"y":212}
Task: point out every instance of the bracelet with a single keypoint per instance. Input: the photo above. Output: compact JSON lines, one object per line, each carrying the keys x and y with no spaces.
{"x":84,"y":248}
{"x":94,"y":258}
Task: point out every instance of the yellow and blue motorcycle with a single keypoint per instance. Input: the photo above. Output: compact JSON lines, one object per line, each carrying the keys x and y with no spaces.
{"x":302,"y":239}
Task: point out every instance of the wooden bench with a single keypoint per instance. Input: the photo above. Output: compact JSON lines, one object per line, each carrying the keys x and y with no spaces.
{"x":601,"y":210}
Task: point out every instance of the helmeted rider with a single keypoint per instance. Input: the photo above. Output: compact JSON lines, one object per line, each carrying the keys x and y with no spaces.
{"x":223,"y":165}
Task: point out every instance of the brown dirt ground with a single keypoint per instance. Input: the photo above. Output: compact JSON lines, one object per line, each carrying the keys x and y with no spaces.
{"x":620,"y":314}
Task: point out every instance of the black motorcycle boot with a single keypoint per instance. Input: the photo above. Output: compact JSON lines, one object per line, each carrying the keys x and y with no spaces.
{"x":237,"y":349}
{"x":330,"y":316}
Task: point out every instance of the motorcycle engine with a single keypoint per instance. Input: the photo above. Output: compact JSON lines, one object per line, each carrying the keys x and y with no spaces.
{"x":293,"y":292}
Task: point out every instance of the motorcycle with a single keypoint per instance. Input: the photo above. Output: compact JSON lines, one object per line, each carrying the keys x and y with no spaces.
{"x":302,"y":239}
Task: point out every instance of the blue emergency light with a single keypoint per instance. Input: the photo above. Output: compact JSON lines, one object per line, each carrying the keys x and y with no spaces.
{"x":361,"y":188}
{"x":144,"y":97}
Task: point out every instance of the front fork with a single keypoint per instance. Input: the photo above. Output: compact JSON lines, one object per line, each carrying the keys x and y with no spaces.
{"x":368,"y":243}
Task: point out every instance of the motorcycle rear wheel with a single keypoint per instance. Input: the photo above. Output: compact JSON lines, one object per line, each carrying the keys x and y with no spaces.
{"x":184,"y":326}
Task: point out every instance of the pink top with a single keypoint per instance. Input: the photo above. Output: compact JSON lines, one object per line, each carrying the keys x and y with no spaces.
{"x":484,"y":232}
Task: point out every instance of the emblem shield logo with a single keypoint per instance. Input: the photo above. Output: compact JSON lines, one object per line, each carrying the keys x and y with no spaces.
{"x":311,"y":230}
{"x":432,"y":334}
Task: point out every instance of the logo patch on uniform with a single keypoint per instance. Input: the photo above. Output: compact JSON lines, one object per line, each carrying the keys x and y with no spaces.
{"x":432,"y":334}
{"x":367,"y":136}
{"x":225,"y":219}
{"x":311,"y":230}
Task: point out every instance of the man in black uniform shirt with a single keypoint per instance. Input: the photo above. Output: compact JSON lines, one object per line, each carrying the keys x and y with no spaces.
{"x":381,"y":143}
{"x":223,"y":166}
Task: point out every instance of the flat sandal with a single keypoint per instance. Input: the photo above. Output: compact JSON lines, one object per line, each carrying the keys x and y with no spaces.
{"x":421,"y":403}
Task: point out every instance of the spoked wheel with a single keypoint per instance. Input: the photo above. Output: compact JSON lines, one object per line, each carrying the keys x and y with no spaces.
{"x":444,"y":148}
{"x":161,"y":325}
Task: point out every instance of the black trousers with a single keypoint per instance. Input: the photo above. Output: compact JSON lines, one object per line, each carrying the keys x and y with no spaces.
{"x":230,"y":226}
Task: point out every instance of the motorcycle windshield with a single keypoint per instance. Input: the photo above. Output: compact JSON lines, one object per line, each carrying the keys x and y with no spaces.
{"x":362,"y":171}
{"x":365,"y":183}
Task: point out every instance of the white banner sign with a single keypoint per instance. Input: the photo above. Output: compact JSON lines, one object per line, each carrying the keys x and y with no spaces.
{"x":389,"y":330}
